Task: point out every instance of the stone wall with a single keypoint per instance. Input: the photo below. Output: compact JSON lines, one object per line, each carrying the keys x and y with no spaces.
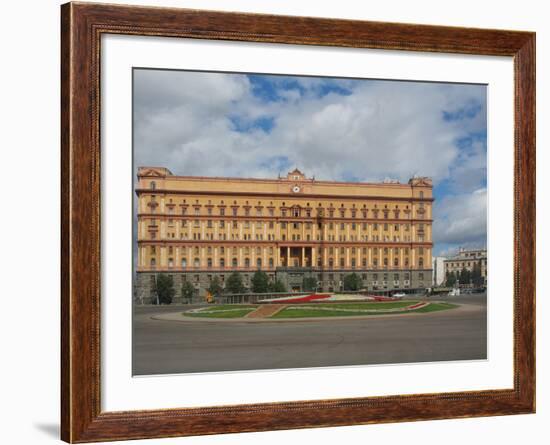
{"x":328,"y":281}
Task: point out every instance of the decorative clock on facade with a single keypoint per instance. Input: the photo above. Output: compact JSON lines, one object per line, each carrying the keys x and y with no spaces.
{"x":296,"y":188}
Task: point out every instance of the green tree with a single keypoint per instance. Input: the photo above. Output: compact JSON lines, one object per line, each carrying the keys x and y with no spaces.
{"x":234,"y":284}
{"x":260,"y":282}
{"x":277,"y":286}
{"x":476,"y":274}
{"x":450,"y":279}
{"x":465,"y":276}
{"x":215,"y":287}
{"x":187,"y":291}
{"x":164,"y":288}
{"x":352,"y":282}
{"x":309,"y":284}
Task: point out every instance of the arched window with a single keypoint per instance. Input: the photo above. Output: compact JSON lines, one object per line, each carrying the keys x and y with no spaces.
{"x":196,"y":262}
{"x":152,"y":185}
{"x":258,"y":263}
{"x":184,"y":262}
{"x":421,"y":262}
{"x":247,"y":262}
{"x":170,"y":262}
{"x":395,"y":262}
{"x":222,"y":263}
{"x":234,"y":262}
{"x":209,"y":263}
{"x":271,"y":263}
{"x":153,"y":262}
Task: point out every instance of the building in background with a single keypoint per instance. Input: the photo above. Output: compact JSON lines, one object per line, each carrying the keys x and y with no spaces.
{"x":291,"y":227}
{"x":468,"y":260}
{"x":438,"y":267}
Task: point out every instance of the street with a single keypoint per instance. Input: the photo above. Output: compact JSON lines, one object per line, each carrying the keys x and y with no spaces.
{"x":162,"y":347}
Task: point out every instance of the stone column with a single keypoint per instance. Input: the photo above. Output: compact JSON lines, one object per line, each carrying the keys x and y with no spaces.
{"x":287,"y":256}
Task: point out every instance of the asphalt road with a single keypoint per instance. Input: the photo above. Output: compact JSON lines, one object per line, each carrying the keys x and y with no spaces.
{"x":165,"y":347}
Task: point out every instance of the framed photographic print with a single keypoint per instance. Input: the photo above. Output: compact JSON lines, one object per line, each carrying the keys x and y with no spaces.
{"x":276,"y":222}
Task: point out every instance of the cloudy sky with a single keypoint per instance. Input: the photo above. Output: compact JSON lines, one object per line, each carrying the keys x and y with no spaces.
{"x":218,"y":124}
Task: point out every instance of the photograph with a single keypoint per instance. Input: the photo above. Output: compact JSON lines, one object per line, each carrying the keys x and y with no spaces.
{"x":291,"y":221}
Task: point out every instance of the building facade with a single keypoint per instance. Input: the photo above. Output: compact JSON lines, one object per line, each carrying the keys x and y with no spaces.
{"x":467,"y":259}
{"x":291,"y":227}
{"x":438,"y":268}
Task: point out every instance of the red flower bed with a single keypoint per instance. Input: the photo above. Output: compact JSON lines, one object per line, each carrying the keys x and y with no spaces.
{"x":303,"y":299}
{"x":382,"y":298}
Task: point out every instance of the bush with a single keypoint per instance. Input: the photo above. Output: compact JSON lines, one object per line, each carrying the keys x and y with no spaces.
{"x":215,"y":287}
{"x":277,"y":286}
{"x":309,"y":284}
{"x":352,"y":282}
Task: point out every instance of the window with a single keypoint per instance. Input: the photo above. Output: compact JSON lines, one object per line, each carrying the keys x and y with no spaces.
{"x":196,"y":262}
{"x":209,"y":263}
{"x":152,"y":185}
{"x":153,"y":262}
{"x":258,"y":263}
{"x":247,"y":262}
{"x":184,"y":263}
{"x":234,"y":262}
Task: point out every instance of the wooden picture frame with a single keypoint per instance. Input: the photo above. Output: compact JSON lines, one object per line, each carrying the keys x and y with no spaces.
{"x":82,"y":26}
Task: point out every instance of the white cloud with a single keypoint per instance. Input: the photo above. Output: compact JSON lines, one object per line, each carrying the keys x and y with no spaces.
{"x":462,"y":219}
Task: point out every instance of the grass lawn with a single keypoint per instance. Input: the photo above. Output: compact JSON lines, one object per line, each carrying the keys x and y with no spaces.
{"x":369,"y":305}
{"x":310,"y":311}
{"x":434,"y":307}
{"x":225,"y":307}
{"x":318,"y":310}
{"x":237,"y":313}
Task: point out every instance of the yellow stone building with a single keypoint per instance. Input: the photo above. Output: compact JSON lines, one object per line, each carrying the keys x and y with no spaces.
{"x":291,"y":227}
